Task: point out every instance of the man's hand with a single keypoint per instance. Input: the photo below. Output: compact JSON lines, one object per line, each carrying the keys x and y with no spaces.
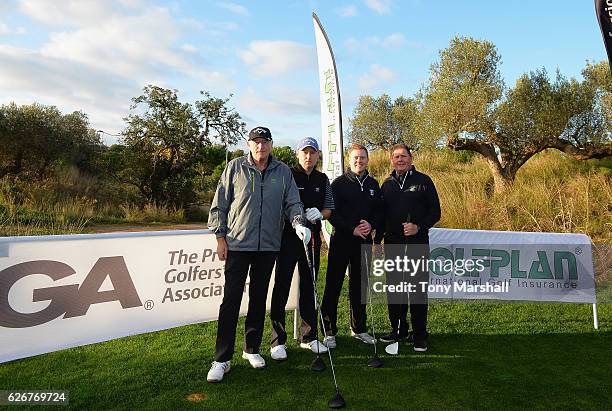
{"x":303,"y":233}
{"x":313,"y":215}
{"x":362,"y":230}
{"x":221,"y":248}
{"x":366,"y":227}
{"x":410,"y":229}
{"x":358,"y":232}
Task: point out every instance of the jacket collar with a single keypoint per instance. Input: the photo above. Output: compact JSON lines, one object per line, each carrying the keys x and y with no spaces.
{"x":408,"y":174}
{"x":401,"y":180}
{"x":272,"y":161}
{"x":298,"y":167}
{"x":354,"y":177}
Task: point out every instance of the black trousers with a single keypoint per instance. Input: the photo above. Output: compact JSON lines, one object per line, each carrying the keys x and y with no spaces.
{"x":258,"y":265}
{"x":417,"y":300}
{"x":292,"y":253}
{"x":343,"y":252}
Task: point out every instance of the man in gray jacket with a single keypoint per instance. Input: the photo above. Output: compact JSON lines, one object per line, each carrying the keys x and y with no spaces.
{"x":255,"y":194}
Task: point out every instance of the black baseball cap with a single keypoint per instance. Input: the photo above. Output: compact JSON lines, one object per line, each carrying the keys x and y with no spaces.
{"x":260,"y":132}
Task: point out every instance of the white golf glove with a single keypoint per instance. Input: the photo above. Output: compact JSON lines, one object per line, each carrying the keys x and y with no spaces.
{"x":303,"y":233}
{"x":313,"y":215}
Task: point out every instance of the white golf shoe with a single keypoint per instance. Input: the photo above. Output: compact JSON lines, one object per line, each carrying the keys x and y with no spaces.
{"x":364,"y":337}
{"x":217,"y":371}
{"x":330,"y":341}
{"x":255,"y":360}
{"x":278,"y":353}
{"x":314,"y":346}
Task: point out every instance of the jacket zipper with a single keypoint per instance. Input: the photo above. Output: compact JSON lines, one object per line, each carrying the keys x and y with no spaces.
{"x":280,"y":220}
{"x":362,"y":182}
{"x":260,"y":213}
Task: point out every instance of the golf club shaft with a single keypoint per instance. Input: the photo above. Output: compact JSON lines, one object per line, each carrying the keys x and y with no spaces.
{"x":367,"y":263}
{"x":314,"y":286}
{"x":310,"y":259}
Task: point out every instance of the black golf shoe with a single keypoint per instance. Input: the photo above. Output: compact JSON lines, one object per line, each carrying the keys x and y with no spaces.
{"x":394,"y":336}
{"x":420,"y":345}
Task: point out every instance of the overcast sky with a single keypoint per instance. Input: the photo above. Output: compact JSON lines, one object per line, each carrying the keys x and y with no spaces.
{"x":95,"y":55}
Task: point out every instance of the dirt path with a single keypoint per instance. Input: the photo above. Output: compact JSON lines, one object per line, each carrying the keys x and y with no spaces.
{"x":122,"y":228}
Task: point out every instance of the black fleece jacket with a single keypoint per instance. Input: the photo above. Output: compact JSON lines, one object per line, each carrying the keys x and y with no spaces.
{"x":410,"y":199}
{"x":355,"y":198}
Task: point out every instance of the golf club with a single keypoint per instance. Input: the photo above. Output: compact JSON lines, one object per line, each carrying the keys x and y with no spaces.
{"x":393,"y":348}
{"x":336,"y":401}
{"x":375,"y":361}
{"x":318,"y":365}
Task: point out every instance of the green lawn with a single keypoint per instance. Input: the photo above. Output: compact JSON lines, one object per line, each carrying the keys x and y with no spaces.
{"x":482,"y":355}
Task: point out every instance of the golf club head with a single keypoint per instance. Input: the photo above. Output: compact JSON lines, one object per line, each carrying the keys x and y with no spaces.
{"x":336,"y":401}
{"x":375,"y":362}
{"x":317,"y":364}
{"x":392,"y":349}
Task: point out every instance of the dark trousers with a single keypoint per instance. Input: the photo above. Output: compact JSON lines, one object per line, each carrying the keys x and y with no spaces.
{"x":398,"y":302}
{"x":292,"y":253}
{"x":344,"y":252}
{"x":258,"y":265}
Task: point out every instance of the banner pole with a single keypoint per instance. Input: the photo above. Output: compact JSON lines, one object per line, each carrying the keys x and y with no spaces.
{"x":296,"y":314}
{"x":595,"y":319}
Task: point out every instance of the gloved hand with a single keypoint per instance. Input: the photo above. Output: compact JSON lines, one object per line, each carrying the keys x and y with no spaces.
{"x":303,"y":233}
{"x":313,"y":215}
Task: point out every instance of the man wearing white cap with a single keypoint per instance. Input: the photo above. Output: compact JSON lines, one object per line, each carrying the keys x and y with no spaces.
{"x":316,"y":195}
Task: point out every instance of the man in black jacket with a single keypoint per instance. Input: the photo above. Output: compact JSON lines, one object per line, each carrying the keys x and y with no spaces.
{"x":358,"y":211}
{"x":316,"y":195}
{"x":411,"y":207}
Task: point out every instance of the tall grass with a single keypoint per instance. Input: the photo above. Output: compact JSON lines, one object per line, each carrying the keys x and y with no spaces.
{"x":552,"y":193}
{"x":151,"y":213}
{"x":68,"y":203}
{"x":19,"y":220}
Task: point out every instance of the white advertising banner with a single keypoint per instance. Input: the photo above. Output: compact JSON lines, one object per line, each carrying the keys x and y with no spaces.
{"x":511,"y":266}
{"x":59,"y":292}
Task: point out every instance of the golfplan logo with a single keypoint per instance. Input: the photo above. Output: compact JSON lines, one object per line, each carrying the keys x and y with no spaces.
{"x":399,"y":271}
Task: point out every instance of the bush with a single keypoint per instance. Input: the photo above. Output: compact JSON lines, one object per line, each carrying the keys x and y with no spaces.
{"x":197,"y":213}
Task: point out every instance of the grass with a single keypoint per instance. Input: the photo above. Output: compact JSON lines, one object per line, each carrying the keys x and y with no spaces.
{"x":481,"y":356}
{"x":36,"y":216}
{"x":69,"y":201}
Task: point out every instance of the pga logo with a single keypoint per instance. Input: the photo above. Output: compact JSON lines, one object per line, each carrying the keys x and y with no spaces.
{"x":72,"y":300}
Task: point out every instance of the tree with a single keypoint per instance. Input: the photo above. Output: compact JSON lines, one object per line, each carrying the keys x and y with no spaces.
{"x":285,"y":154}
{"x":213,"y":157}
{"x":466,"y":105}
{"x":36,"y":138}
{"x":380,"y":122}
{"x":162,"y":142}
{"x":167,"y":142}
{"x":215,"y":116}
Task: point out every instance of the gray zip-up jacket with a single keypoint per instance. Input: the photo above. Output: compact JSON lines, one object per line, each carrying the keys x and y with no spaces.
{"x":250,"y":207}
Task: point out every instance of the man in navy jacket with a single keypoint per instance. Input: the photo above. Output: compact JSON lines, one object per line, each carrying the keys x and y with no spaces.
{"x":411,"y":208}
